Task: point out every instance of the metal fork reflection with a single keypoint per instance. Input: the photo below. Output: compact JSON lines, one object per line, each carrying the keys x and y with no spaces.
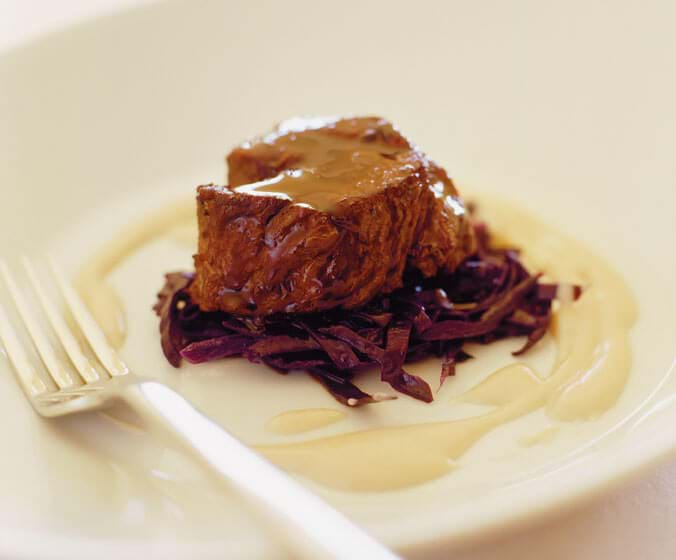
{"x":83,"y":382}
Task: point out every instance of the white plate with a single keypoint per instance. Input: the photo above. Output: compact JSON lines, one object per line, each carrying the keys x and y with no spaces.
{"x":568,"y":112}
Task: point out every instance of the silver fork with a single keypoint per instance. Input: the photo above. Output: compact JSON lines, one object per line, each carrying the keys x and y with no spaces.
{"x":311,"y":525}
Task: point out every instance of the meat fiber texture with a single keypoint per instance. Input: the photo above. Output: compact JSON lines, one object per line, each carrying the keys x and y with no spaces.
{"x":260,"y":253}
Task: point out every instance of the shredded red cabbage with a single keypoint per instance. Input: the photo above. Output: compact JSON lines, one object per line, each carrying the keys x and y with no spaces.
{"x":489,"y":297}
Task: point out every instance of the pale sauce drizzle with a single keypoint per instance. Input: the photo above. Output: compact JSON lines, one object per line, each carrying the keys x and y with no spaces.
{"x":503,"y":386}
{"x":300,"y":421}
{"x":590,"y":371}
{"x":543,"y":436}
{"x":175,"y":221}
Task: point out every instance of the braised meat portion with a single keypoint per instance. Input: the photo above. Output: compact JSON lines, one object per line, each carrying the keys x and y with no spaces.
{"x":324,"y":213}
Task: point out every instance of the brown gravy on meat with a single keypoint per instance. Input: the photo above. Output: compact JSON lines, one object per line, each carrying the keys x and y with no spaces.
{"x":333,"y":169}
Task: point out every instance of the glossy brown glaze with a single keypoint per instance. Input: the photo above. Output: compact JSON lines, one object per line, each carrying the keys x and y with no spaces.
{"x":324,"y":213}
{"x":334,"y":166}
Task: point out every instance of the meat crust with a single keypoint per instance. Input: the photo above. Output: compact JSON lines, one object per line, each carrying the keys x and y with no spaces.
{"x":323,"y":214}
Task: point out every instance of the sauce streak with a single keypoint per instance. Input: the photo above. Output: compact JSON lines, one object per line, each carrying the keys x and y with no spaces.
{"x":503,"y":386}
{"x":543,"y":436}
{"x":589,"y":374}
{"x":174,"y":220}
{"x":299,"y":421}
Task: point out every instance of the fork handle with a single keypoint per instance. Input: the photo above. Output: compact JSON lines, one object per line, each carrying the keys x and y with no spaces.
{"x":318,"y":530}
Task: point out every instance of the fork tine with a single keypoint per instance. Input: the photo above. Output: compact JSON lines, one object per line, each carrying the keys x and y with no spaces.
{"x":94,"y":335}
{"x":31,"y":382}
{"x":64,"y":334}
{"x":59,"y":374}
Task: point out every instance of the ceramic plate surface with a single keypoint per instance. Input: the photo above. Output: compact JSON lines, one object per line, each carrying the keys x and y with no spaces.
{"x":566,"y":111}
